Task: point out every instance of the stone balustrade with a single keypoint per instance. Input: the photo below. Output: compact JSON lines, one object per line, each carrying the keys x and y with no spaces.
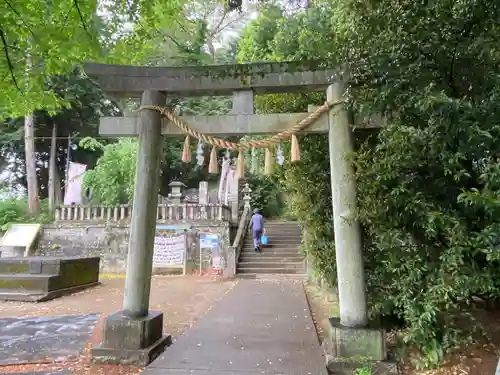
{"x":164,"y":212}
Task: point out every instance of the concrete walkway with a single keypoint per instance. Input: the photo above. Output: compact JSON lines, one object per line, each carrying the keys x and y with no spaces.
{"x":259,"y":327}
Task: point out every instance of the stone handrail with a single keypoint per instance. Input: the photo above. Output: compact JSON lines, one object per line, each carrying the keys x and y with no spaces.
{"x":164,"y":212}
{"x":240,"y":234}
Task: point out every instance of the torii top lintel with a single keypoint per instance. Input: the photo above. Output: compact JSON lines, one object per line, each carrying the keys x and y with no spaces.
{"x":213,"y":79}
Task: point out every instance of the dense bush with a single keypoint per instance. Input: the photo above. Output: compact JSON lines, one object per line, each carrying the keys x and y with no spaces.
{"x":429,"y":182}
{"x":16,"y":211}
{"x":266,"y":195}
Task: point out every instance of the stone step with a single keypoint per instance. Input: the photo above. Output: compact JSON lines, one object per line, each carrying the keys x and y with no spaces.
{"x":22,"y":295}
{"x":291,"y":249}
{"x":273,"y":276}
{"x":270,"y":258}
{"x":267,"y":224}
{"x":276,"y":240}
{"x":272,"y":249}
{"x":266,"y":270}
{"x":268,"y":249}
{"x":281,"y":232}
{"x":291,"y":232}
{"x":264,"y":264}
{"x":267,"y":253}
{"x":276,"y":249}
{"x":31,"y":282}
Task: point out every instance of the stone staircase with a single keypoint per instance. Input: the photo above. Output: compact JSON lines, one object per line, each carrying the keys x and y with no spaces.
{"x":281,"y":256}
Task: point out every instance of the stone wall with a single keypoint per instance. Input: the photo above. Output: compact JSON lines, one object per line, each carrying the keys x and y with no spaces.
{"x":110,"y":242}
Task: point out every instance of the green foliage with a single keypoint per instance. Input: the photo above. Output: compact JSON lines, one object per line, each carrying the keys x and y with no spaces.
{"x":425,"y":200}
{"x":266,"y":195}
{"x":420,"y":186}
{"x":39,"y":41}
{"x":111,"y":182}
{"x":14,"y":210}
{"x":307,"y":185}
{"x":254,"y":44}
{"x":363,"y":371}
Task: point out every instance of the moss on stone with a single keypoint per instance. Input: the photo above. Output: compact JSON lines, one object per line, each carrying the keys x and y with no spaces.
{"x":246,"y":71}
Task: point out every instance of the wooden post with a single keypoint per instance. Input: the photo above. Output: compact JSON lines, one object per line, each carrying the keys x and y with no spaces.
{"x":348,"y":247}
{"x":52,"y":167}
{"x":142,"y":232}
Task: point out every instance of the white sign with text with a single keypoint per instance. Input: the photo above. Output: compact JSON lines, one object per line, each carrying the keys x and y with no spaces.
{"x":169,"y":250}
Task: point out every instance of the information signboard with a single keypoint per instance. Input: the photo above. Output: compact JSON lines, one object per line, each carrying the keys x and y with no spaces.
{"x":170,"y":248}
{"x":210,"y":251}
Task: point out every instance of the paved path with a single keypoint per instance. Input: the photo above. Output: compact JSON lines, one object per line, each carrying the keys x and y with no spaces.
{"x":259,"y":327}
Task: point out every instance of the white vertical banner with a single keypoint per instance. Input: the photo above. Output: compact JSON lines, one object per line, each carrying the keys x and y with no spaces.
{"x":222,"y":181}
{"x":231,"y":179}
{"x":73,"y":194}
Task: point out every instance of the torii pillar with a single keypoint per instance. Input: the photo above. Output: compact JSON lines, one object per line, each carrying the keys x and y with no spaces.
{"x":135,"y":334}
{"x":353,"y":338}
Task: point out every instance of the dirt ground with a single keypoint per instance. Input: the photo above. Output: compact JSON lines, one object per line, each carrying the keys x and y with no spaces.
{"x":182,"y":299}
{"x":480,"y":358}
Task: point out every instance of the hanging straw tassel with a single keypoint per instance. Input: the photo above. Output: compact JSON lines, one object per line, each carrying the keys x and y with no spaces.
{"x":213,"y":165}
{"x":186,"y":152}
{"x":268,"y":162}
{"x":295,"y":150}
{"x":240,"y":167}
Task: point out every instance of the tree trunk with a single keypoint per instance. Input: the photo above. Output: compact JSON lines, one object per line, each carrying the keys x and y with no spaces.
{"x":57,"y":188}
{"x":52,"y":168}
{"x":29,"y":144}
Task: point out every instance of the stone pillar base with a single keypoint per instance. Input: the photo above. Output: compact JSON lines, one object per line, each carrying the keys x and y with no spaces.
{"x":348,"y":349}
{"x":130,"y":341}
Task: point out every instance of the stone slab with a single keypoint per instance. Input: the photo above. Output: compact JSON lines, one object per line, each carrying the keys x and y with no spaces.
{"x":20,"y":239}
{"x":259,"y":327}
{"x":42,"y":339}
{"x":357,"y":343}
{"x":212,"y":80}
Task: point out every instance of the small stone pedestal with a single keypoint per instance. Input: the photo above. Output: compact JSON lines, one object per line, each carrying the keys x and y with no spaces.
{"x":348,"y":349}
{"x":131,"y":341}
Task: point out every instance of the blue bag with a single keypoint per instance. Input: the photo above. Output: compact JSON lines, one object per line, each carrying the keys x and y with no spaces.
{"x":264,"y":239}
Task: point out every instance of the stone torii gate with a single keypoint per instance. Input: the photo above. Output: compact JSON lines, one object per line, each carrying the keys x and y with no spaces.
{"x":134,"y":335}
